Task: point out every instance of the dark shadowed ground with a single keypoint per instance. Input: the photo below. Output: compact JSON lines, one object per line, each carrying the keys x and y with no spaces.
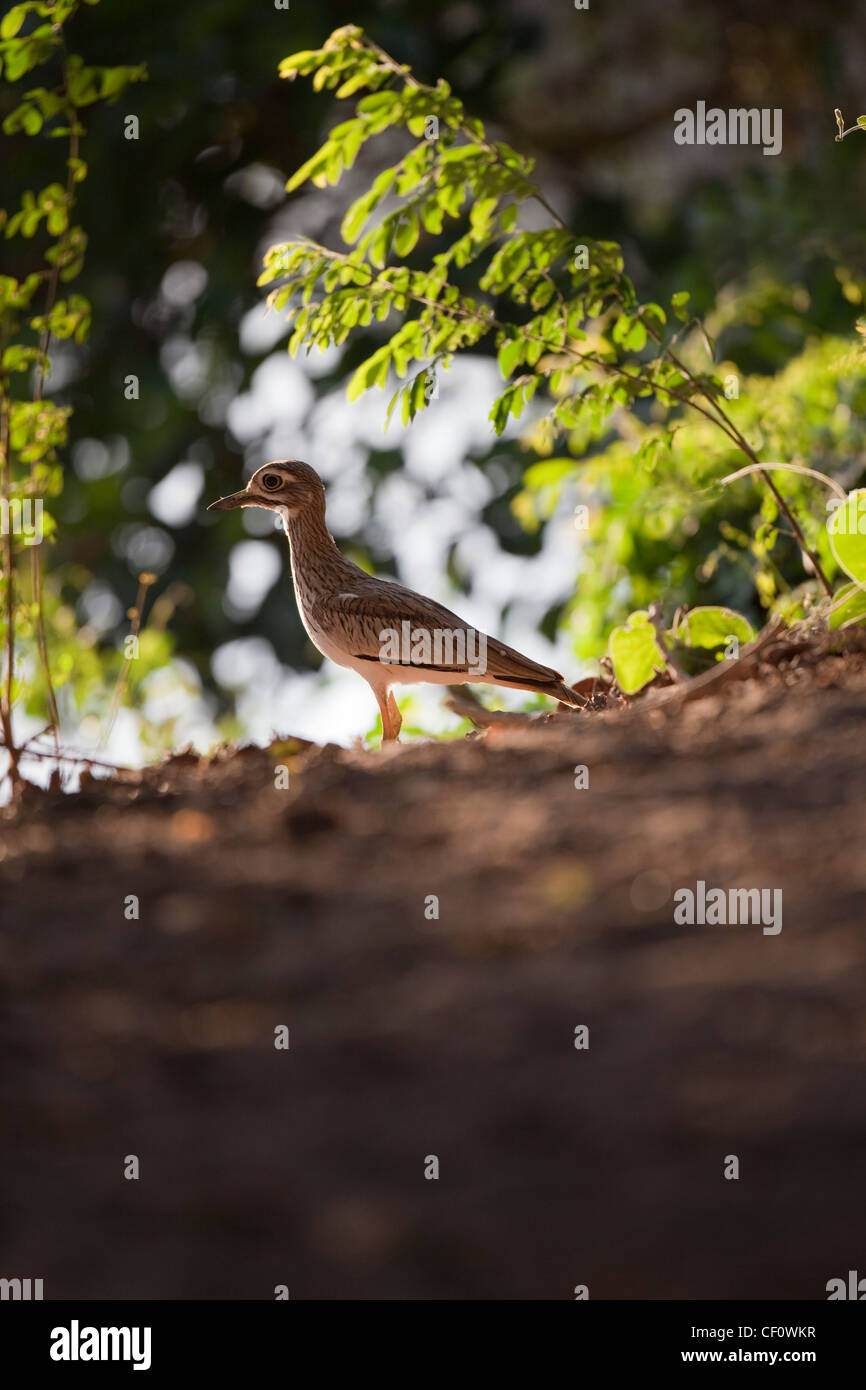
{"x":452,"y":1037}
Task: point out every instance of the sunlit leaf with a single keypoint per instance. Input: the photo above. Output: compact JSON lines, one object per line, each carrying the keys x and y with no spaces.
{"x":847,"y":532}
{"x":714,"y":627}
{"x":635,"y":653}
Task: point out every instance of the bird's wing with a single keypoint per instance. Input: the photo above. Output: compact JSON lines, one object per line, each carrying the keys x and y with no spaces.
{"x":371,"y":613}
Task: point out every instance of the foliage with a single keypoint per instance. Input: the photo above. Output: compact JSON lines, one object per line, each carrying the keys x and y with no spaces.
{"x":847,"y":531}
{"x":559,"y":307}
{"x":571,"y":334}
{"x":772,"y":252}
{"x":36,"y":308}
{"x":697,"y":640}
{"x":860,"y":124}
{"x":660,"y":524}
{"x":638,"y":654}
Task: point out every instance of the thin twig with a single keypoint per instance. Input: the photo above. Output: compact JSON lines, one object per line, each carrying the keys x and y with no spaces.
{"x":67,"y":757}
{"x":144,"y":582}
{"x":656,"y":617}
{"x":9,"y":569}
{"x":464,"y":703}
{"x":38,"y":390}
{"x":788,"y":468}
{"x":709,"y":681}
{"x":724,"y":421}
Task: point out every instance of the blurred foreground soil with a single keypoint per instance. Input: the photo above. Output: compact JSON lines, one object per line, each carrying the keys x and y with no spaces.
{"x":414,"y":1036}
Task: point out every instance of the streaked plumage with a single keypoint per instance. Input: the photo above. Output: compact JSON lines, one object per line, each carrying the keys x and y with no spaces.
{"x":346,"y":611}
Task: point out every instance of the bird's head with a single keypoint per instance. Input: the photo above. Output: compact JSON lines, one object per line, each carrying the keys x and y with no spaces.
{"x":288,"y":487}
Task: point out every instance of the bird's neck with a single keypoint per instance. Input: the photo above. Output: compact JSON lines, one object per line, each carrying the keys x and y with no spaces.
{"x":313,"y":549}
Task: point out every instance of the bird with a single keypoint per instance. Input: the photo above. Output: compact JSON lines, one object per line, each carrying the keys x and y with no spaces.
{"x":389,"y":634}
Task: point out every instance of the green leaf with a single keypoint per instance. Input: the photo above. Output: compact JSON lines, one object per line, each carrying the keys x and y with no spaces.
{"x":852,"y":605}
{"x":509,"y":355}
{"x":654,"y":317}
{"x":635,"y":653}
{"x":392,"y":403}
{"x":415,"y":397}
{"x":713,"y":627}
{"x":380,"y":243}
{"x":847,"y":531}
{"x":431,"y":215}
{"x":635,"y":339}
{"x":83,"y":84}
{"x":452,"y":197}
{"x":116,"y":80}
{"x":481,"y":215}
{"x":305,"y":61}
{"x":18,"y":358}
{"x":406,"y":234}
{"x":377,"y":101}
{"x":313,"y":166}
{"x":548,"y":471}
{"x":622,"y":328}
{"x":353,"y":84}
{"x":11,"y":22}
{"x":361,"y":209}
{"x":373,"y":372}
{"x":679,"y":304}
{"x":355,"y":218}
{"x":861,"y":120}
{"x":25,"y":117}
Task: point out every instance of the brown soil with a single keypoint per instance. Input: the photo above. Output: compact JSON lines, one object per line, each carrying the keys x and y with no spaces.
{"x":454,"y":1037}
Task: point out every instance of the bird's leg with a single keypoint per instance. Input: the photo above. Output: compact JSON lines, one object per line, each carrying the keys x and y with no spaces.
{"x":396,"y":716}
{"x":390,"y":715}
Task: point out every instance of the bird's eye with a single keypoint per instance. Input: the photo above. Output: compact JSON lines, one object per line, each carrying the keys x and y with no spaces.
{"x":272,"y":481}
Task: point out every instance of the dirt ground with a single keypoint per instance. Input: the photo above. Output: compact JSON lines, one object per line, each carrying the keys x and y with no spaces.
{"x":414,"y":1036}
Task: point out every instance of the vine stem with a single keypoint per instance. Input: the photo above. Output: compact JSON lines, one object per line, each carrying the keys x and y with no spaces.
{"x":68,"y":757}
{"x":657,"y":620}
{"x":724,"y":422}
{"x":144,"y":582}
{"x":8,"y":567}
{"x":38,"y":392}
{"x":790,"y":468}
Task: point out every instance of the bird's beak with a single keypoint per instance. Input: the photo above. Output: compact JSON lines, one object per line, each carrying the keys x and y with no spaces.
{"x":227,"y":504}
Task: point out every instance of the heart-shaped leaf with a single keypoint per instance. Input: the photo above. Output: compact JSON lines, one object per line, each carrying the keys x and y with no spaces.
{"x":635,"y":653}
{"x":847,"y":531}
{"x":714,"y":627}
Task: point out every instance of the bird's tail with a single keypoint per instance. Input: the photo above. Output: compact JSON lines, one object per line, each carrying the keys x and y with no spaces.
{"x":555,"y":688}
{"x":564,"y":694}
